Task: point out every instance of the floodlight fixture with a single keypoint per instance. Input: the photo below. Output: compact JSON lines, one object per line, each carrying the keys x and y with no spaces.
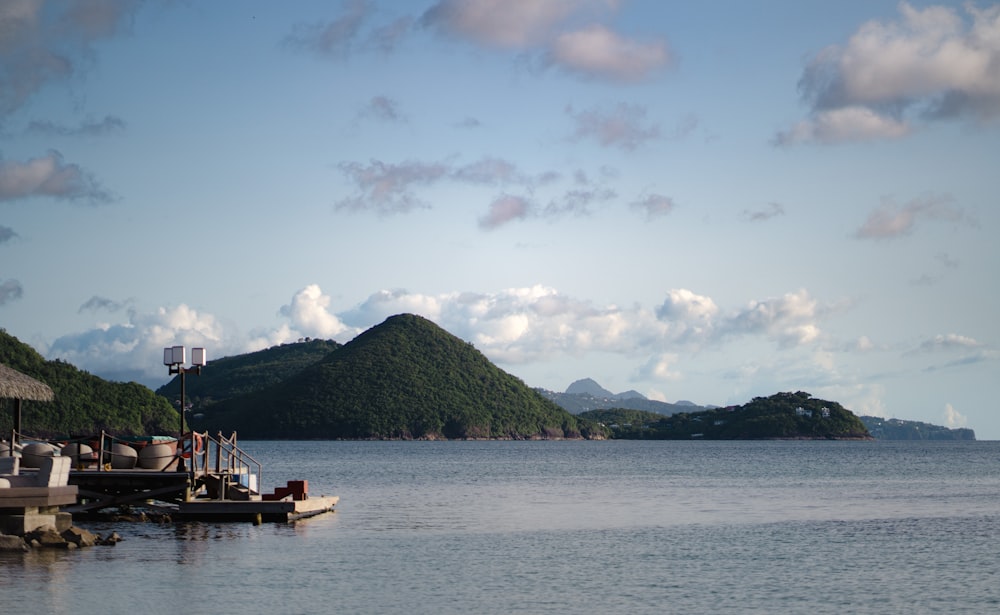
{"x":174,"y":358}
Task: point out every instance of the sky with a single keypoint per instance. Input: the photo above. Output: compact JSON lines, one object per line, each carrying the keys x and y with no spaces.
{"x":702,"y":201}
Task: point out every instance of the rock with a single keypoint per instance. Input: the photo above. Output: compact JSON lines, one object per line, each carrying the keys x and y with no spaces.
{"x":11,"y":544}
{"x":46,"y":536}
{"x":110,"y":541}
{"x":79,"y":537}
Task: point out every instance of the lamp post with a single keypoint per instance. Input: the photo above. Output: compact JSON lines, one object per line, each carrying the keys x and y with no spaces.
{"x":173,"y":358}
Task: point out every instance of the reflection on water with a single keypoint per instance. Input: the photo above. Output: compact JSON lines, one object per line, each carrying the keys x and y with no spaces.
{"x":564,"y":527}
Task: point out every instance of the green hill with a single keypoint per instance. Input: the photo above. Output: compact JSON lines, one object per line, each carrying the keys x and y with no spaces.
{"x":898,"y":429}
{"x":780,"y":416}
{"x":230,"y":377}
{"x":84,"y":404}
{"x":406,"y":378}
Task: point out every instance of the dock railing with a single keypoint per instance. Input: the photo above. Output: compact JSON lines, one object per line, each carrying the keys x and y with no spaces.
{"x":220,"y":458}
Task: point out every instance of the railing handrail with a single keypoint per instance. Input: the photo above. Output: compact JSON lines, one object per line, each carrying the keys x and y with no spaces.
{"x":228,"y":456}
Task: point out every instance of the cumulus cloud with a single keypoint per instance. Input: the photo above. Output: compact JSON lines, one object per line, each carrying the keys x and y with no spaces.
{"x":133,"y":350}
{"x":549,"y":29}
{"x":623,"y":126}
{"x":953,"y":418}
{"x":789,"y":320}
{"x":88,"y":128}
{"x":10,"y":290}
{"x":683,"y":305}
{"x":929,"y":64}
{"x":522,"y":325}
{"x":309,"y":315}
{"x":660,"y":367}
{"x":48,"y":176}
{"x":514,"y":326}
{"x":891,"y":220}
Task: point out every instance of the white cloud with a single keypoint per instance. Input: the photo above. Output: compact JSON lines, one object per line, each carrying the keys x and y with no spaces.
{"x":953,"y":418}
{"x":854,"y":123}
{"x":308,"y":314}
{"x":133,"y":350}
{"x":596,"y":51}
{"x":931,"y":63}
{"x":512,"y":24}
{"x":550,"y":29}
{"x":788,"y":320}
{"x":513,"y":326}
{"x":660,"y":368}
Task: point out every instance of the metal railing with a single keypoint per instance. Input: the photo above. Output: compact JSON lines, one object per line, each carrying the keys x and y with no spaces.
{"x":220,"y":458}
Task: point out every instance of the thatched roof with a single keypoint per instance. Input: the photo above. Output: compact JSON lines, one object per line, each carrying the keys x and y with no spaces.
{"x":15,"y":385}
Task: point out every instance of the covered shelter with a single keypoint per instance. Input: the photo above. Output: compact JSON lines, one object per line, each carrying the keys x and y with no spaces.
{"x":19,"y":387}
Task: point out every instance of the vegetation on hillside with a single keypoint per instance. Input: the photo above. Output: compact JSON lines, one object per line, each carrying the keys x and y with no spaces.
{"x":242,"y":374}
{"x":84,"y":404}
{"x":405,"y":378}
{"x":898,"y":429}
{"x":782,"y":415}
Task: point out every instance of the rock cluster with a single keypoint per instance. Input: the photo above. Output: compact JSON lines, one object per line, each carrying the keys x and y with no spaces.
{"x":48,"y":536}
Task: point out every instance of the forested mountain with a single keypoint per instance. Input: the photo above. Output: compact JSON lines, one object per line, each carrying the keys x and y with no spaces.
{"x":898,"y":429}
{"x":84,"y":404}
{"x":782,"y":415}
{"x":247,"y":373}
{"x":405,"y":378}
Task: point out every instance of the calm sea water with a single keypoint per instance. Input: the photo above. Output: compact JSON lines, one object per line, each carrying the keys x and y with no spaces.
{"x":567,"y":527}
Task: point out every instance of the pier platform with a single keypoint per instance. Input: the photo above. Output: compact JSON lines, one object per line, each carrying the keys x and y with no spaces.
{"x":197,"y":478}
{"x":255,"y":510}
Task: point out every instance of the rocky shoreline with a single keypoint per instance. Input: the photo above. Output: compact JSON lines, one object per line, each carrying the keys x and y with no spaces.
{"x":48,"y":537}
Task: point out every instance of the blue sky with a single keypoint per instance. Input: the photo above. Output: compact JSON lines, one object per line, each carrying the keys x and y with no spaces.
{"x":699,"y":201}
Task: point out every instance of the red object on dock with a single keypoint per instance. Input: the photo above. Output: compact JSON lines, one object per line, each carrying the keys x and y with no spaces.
{"x":298,"y":489}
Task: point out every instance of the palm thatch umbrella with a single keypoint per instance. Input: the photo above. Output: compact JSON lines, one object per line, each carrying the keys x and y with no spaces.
{"x":17,"y":386}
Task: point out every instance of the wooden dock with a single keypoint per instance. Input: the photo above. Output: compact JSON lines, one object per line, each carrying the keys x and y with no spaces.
{"x":205,"y":479}
{"x":256,"y":511}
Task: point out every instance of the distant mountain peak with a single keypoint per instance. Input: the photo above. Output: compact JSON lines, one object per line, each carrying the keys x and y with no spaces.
{"x":588,"y":386}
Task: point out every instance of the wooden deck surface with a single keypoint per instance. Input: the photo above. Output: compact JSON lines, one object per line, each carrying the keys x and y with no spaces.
{"x":279,"y":510}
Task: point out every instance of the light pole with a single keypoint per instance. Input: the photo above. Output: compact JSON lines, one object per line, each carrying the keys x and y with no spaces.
{"x":173,"y":358}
